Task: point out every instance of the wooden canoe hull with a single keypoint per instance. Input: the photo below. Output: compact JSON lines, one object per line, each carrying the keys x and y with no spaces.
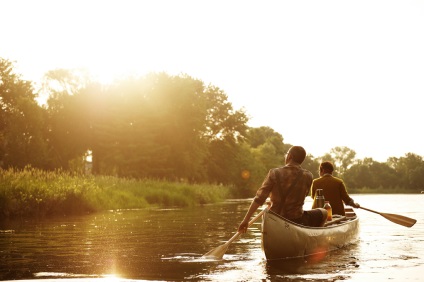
{"x":282,"y":239}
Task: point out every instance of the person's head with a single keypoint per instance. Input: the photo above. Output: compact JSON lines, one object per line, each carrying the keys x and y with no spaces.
{"x":296,"y":154}
{"x":326,"y":167}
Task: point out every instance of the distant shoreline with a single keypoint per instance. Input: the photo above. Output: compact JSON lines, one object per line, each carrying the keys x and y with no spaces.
{"x":382,"y":191}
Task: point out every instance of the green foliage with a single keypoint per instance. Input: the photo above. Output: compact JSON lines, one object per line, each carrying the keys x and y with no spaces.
{"x":155,"y":126}
{"x":160,"y":127}
{"x":34,"y":192}
{"x":403,"y":174}
{"x":409,"y":169}
{"x":312,"y":165}
{"x":22,"y":140}
{"x":259,"y":136}
{"x":343,"y":158}
{"x":262,"y":149}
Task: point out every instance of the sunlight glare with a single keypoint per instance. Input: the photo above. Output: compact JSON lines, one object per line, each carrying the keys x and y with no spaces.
{"x":111,"y":278}
{"x":112,"y":69}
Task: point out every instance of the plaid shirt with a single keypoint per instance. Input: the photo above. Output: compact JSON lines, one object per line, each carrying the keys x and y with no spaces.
{"x":292,"y":206}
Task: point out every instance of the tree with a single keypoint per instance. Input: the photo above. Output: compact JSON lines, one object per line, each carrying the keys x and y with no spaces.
{"x":382,"y":174}
{"x":416,"y":178}
{"x":71,"y":104}
{"x":371,"y":174}
{"x":174,"y":111}
{"x":222,"y":121}
{"x":222,"y":166}
{"x":312,"y":165}
{"x":268,"y":146}
{"x":22,"y":140}
{"x":249,"y":173}
{"x":157,"y":125}
{"x":343,"y":157}
{"x":264,"y":134}
{"x":408,"y":168}
{"x":358,"y":176}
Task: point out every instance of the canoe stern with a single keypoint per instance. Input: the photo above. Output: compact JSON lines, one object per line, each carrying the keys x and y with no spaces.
{"x":283,"y":239}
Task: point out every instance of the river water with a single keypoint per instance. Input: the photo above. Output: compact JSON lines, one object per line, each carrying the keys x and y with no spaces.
{"x":168,"y":244}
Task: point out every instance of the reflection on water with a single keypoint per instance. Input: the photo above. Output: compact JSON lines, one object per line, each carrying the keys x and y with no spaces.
{"x":167,"y":245}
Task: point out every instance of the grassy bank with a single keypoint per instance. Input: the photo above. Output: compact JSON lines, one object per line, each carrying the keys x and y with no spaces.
{"x":32,"y":192}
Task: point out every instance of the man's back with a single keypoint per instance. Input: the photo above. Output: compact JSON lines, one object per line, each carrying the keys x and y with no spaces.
{"x":294,"y":198}
{"x":334,"y":191}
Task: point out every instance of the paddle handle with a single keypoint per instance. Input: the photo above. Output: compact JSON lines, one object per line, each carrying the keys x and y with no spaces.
{"x":235,"y":236}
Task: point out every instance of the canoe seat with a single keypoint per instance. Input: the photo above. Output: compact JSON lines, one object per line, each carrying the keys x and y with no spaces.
{"x":350,"y":214}
{"x":336,"y":220}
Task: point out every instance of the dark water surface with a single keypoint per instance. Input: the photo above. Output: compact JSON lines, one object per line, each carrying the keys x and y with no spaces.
{"x":167,"y":245}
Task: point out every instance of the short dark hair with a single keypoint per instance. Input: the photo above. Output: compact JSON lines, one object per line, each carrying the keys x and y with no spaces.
{"x":327,"y":167}
{"x":298,"y":153}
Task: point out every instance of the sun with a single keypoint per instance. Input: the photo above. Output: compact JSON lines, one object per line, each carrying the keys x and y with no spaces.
{"x":116,"y":70}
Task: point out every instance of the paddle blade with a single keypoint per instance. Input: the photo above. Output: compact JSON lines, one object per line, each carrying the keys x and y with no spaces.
{"x":399,"y":219}
{"x":217,"y":253}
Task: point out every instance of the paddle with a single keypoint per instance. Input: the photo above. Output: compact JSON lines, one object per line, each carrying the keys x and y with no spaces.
{"x":219,"y":251}
{"x":399,"y":219}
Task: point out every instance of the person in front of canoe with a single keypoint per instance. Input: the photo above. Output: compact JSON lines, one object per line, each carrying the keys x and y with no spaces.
{"x":287,"y":187}
{"x":333,"y":188}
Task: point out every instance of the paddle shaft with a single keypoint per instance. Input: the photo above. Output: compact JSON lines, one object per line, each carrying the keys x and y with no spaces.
{"x":370,"y":210}
{"x":235,"y":236}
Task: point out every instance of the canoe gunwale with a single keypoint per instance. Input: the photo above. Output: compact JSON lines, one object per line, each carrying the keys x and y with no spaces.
{"x":337,"y":224}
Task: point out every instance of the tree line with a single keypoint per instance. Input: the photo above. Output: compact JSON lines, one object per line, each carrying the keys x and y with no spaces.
{"x":160,"y":126}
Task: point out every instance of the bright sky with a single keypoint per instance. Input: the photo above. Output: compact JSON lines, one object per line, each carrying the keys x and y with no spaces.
{"x":321,"y":73}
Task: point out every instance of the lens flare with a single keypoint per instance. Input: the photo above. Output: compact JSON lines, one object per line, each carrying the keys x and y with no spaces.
{"x":245,"y":174}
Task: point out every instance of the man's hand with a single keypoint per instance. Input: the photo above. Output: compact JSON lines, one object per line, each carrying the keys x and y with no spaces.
{"x":243,"y":226}
{"x":355,"y":205}
{"x":245,"y":223}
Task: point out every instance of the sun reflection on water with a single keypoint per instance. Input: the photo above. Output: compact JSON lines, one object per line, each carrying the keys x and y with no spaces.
{"x":53,"y":276}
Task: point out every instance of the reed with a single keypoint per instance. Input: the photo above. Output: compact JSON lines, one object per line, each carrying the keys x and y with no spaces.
{"x":34,"y":192}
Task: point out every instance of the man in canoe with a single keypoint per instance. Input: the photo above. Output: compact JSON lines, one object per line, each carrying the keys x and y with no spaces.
{"x":287,"y":187}
{"x":333,"y":188}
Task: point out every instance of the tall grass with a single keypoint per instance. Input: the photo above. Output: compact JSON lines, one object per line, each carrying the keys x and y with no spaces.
{"x":33,"y":192}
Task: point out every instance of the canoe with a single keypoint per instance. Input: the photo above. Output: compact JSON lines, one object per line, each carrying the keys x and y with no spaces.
{"x":283,"y":239}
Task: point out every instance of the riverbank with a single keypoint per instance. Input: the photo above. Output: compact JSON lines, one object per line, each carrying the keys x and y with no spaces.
{"x":381,"y":190}
{"x":36,"y":193}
